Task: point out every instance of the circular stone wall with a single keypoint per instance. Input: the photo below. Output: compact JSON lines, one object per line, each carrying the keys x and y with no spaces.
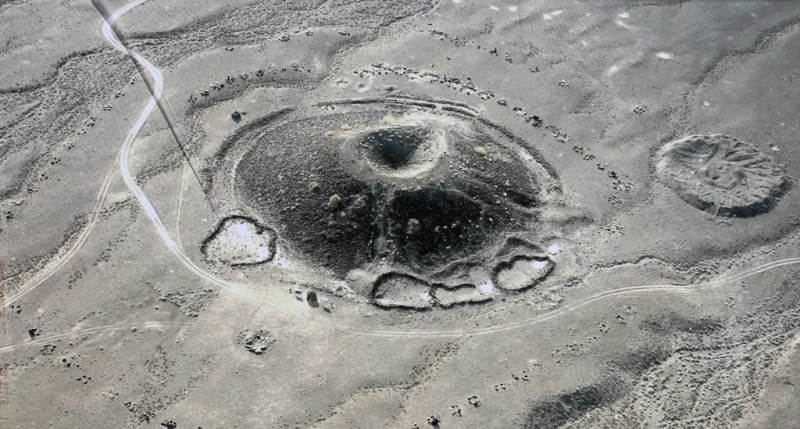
{"x":722,"y":175}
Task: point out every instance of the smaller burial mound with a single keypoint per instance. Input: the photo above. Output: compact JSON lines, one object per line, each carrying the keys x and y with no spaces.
{"x":722,"y":175}
{"x":239,"y":241}
{"x":256,"y":342}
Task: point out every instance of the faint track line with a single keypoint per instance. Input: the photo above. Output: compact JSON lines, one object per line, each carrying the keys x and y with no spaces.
{"x":629,"y":290}
{"x":147,"y":325}
{"x":157,"y":89}
{"x":55,"y":266}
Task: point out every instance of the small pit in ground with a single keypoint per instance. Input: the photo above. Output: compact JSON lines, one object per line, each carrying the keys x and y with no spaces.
{"x":392,"y":147}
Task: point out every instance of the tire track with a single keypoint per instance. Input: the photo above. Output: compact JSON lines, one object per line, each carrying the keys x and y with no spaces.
{"x":629,"y":290}
{"x":291,"y":325}
{"x":56,"y":265}
{"x":156,"y":89}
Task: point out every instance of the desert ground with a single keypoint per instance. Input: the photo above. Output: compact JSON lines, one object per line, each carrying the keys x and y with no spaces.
{"x":414,"y":214}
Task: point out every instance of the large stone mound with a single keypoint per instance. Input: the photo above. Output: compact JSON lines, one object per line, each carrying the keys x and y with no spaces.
{"x":418,"y":201}
{"x":722,"y":175}
{"x":412,"y":187}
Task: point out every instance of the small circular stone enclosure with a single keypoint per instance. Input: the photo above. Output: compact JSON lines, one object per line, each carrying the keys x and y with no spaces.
{"x":722,"y":175}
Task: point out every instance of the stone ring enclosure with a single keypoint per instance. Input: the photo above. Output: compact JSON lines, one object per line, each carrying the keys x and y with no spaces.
{"x":722,"y":175}
{"x":415,"y":203}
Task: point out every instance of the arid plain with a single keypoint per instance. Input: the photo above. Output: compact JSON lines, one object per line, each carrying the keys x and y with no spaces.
{"x":364,"y":214}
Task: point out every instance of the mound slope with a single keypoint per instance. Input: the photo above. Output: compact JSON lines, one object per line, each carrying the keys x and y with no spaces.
{"x":410,"y":188}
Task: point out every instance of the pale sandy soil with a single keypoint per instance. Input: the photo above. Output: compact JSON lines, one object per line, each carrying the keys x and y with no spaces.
{"x":160,"y":292}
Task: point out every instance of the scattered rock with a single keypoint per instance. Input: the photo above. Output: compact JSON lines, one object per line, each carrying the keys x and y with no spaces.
{"x":326,"y":303}
{"x":256,"y":342}
{"x":34,"y":332}
{"x":311,"y":298}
